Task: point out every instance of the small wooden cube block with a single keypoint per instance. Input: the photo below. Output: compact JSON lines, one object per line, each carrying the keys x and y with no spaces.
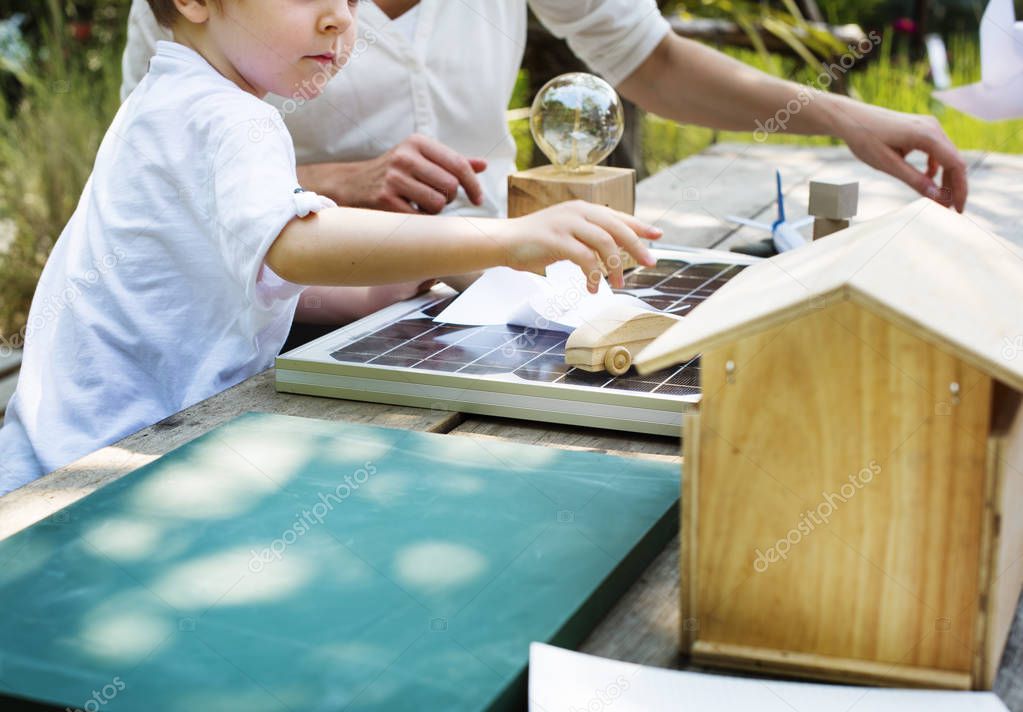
{"x":539,"y":188}
{"x":835,"y":201}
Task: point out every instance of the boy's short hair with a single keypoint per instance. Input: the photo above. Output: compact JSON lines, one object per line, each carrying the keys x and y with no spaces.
{"x":166,"y":12}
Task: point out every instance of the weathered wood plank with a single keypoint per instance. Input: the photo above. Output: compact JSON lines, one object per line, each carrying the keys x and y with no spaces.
{"x":608,"y":441}
{"x":989,"y":204}
{"x":9,"y":363}
{"x":691,"y":200}
{"x":643,"y":627}
{"x":7,"y":386}
{"x":39,"y":499}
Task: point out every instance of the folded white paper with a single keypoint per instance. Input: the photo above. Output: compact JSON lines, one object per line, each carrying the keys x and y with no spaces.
{"x":999,"y":94}
{"x":557,"y":302}
{"x":563,"y":680}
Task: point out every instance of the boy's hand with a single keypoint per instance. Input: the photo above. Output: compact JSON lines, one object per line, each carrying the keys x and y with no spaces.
{"x":587,"y":234}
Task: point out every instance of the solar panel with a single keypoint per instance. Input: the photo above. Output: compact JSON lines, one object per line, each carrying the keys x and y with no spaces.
{"x":402,"y":356}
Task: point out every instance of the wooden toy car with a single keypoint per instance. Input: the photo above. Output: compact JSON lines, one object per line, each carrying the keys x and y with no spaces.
{"x":610,"y":341}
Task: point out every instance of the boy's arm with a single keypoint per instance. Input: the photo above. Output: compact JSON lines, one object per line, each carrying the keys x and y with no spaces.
{"x":349,"y":246}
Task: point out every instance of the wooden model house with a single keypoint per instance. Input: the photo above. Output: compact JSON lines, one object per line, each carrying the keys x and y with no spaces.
{"x":853,"y":490}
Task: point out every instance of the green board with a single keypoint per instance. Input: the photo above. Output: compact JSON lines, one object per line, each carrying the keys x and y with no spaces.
{"x":281,"y":563}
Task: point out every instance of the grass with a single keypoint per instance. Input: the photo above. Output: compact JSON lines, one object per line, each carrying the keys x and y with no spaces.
{"x":47,"y":146}
{"x":48,"y":141}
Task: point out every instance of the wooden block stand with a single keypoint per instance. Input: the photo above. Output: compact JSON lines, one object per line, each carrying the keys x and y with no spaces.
{"x":538,"y":188}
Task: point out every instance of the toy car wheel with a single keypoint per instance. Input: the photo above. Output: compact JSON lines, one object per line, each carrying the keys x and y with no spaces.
{"x":617,"y":360}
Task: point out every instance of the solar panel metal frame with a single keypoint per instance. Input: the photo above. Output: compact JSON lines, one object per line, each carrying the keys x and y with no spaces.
{"x":311,"y":370}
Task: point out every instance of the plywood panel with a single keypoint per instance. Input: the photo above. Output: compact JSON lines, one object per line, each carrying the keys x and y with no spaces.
{"x":838,"y":433}
{"x":688,"y":533}
{"x":1006,"y":569}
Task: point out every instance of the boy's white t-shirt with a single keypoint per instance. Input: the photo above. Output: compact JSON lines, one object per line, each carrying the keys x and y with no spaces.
{"x":155,"y":296}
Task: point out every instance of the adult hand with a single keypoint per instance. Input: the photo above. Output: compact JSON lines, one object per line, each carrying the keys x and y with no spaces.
{"x":882,"y":139}
{"x":420,"y":175}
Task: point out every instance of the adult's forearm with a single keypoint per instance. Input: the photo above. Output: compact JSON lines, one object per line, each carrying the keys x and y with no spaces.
{"x":343,"y":305}
{"x":688,"y":82}
{"x":355,"y":247}
{"x":332,"y":305}
{"x":334,"y":180}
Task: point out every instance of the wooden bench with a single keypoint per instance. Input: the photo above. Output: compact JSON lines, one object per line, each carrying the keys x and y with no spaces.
{"x":9,"y":366}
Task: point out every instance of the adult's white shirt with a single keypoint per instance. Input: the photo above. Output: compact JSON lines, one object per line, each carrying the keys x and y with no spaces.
{"x":451,"y":81}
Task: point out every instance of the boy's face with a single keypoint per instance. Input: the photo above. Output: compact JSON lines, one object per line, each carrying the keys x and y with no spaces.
{"x":286,"y":47}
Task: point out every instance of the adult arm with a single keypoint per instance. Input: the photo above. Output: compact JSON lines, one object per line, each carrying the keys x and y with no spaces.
{"x":343,"y":305}
{"x":686,"y":81}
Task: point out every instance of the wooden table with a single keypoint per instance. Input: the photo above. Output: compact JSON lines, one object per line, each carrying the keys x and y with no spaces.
{"x":689,"y":201}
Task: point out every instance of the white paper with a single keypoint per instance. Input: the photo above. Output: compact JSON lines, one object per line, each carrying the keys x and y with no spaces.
{"x":561,"y":680}
{"x":557,"y":302}
{"x":999,"y":94}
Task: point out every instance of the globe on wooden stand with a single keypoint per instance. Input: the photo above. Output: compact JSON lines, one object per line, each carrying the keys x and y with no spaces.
{"x":576,"y":120}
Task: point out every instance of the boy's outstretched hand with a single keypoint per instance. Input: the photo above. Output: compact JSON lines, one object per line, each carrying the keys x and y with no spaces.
{"x":589,"y":235}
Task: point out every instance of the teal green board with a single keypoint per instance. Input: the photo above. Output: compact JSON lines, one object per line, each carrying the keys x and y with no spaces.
{"x":281,"y":563}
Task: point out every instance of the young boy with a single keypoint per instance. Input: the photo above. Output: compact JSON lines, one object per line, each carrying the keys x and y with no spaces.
{"x":179,"y":272}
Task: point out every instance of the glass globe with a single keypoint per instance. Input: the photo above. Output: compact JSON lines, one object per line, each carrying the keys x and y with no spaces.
{"x":577,"y":120}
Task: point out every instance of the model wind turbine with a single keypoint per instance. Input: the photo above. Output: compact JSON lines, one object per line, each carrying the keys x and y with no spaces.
{"x":999,"y":94}
{"x":785,"y":234}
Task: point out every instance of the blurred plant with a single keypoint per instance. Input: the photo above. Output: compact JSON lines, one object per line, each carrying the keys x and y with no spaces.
{"x":891,"y":81}
{"x":786,"y":22}
{"x":49,"y":135}
{"x":866,"y":13}
{"x":14,"y":51}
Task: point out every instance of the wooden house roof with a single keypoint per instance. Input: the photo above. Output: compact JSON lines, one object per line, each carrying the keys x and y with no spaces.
{"x":925,"y":267}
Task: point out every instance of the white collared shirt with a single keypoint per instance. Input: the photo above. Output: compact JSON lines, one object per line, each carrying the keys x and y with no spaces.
{"x":452,"y":81}
{"x":155,"y":296}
